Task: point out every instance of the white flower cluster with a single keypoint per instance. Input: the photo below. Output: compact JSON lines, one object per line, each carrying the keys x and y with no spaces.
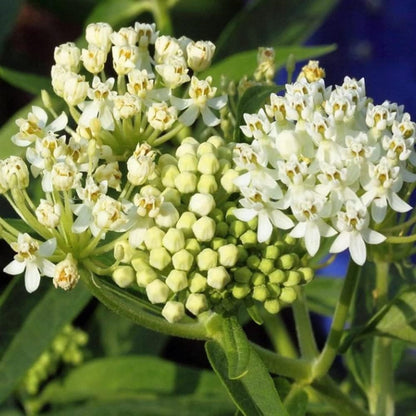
{"x":325,"y":162}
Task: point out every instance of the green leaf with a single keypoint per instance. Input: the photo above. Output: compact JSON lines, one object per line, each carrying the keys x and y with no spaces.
{"x":400,"y":319}
{"x":322,"y":294}
{"x":254,"y":393}
{"x":43,"y":322}
{"x":31,"y":83}
{"x":251,"y":101}
{"x":271,"y":23}
{"x":113,"y":377}
{"x":240,"y":64}
{"x":150,"y":406}
{"x":236,"y":348}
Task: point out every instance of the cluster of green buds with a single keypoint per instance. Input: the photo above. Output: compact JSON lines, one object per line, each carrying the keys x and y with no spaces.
{"x":66,"y":348}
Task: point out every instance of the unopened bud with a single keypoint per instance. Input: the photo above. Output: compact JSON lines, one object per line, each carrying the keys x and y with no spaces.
{"x":237,"y":228}
{"x":207,"y":259}
{"x":204,"y":229}
{"x":196,"y":303}
{"x":293,"y":278}
{"x":258,"y":279}
{"x":249,"y":238}
{"x":168,"y":174}
{"x":260,"y":293}
{"x":272,"y":306}
{"x":206,"y":147}
{"x":185,"y":223}
{"x":157,"y":291}
{"x":240,"y":290}
{"x":124,"y":276}
{"x":177,"y":280}
{"x":288,"y":261}
{"x":168,"y":215}
{"x":173,"y":311}
{"x":174,"y":240}
{"x":159,"y":258}
{"x":242,"y":274}
{"x":201,"y":204}
{"x":207,"y":184}
{"x":188,"y":163}
{"x":307,"y":273}
{"x":288,"y":295}
{"x":197,"y":283}
{"x":266,"y":266}
{"x":153,"y":238}
{"x":208,"y":164}
{"x":123,"y":251}
{"x":218,"y":277}
{"x":227,"y":181}
{"x":183,"y":260}
{"x":186,"y":182}
{"x":277,"y":276}
{"x":145,"y":276}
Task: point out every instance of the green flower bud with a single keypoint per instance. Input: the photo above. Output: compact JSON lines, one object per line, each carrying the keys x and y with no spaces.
{"x":124,"y":276}
{"x":221,"y":229}
{"x":166,"y":159}
{"x":183,"y":260}
{"x":173,"y":311}
{"x":172,"y":195}
{"x":288,"y":295}
{"x":123,"y":251}
{"x":249,"y":238}
{"x":208,"y":164}
{"x":218,"y":277}
{"x":174,"y":240}
{"x":145,"y":275}
{"x":201,"y":204}
{"x":186,"y":182}
{"x":258,"y":279}
{"x":168,"y":175}
{"x":260,"y":293}
{"x":293,"y":278}
{"x":266,"y":266}
{"x":188,"y":163}
{"x":153,"y":237}
{"x":217,"y":215}
{"x":207,"y":184}
{"x":229,"y":214}
{"x":140,"y":260}
{"x":252,"y":224}
{"x":242,"y":274}
{"x":216,"y":141}
{"x":307,"y":273}
{"x":197,"y":283}
{"x":240,"y":290}
{"x":217,"y":242}
{"x":196,"y":303}
{"x":207,"y":259}
{"x":227,"y":181}
{"x":288,"y":261}
{"x":237,"y":228}
{"x":271,"y":252}
{"x":231,"y":239}
{"x":272,"y":306}
{"x":277,"y":276}
{"x":274,"y":289}
{"x":177,"y":280}
{"x":242,"y":254}
{"x":185,"y":223}
{"x":253,"y":262}
{"x":192,"y":245}
{"x":168,"y":215}
{"x":228,"y":255}
{"x":186,"y":147}
{"x":289,"y":240}
{"x":159,"y":258}
{"x":157,"y":291}
{"x":206,"y":147}
{"x":225,"y":166}
{"x":204,"y":229}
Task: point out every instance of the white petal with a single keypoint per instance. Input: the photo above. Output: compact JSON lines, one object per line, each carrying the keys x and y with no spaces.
{"x":47,"y":248}
{"x":59,"y":124}
{"x":244,"y":214}
{"x":372,"y":237}
{"x":281,"y":220}
{"x":357,"y":248}
{"x":299,"y":230}
{"x":312,"y":238}
{"x":90,"y":111}
{"x":32,"y":277}
{"x":209,"y":117}
{"x":398,"y":204}
{"x":189,"y":116}
{"x":15,"y":267}
{"x":40,"y":114}
{"x":106,"y":119}
{"x":341,"y":243}
{"x":180,"y":103}
{"x":218,"y":102}
{"x":378,"y":209}
{"x":136,"y":237}
{"x":47,"y":268}
{"x":264,"y":227}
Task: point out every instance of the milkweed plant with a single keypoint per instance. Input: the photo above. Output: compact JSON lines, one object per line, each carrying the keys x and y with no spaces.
{"x":179,"y":209}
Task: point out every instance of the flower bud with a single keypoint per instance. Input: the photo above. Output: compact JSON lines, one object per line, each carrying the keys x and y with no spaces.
{"x":197,"y":283}
{"x":258,"y":279}
{"x":174,"y":240}
{"x":272,"y":306}
{"x":75,"y":89}
{"x":274,"y":289}
{"x":64,"y":176}
{"x":242,"y":274}
{"x":217,"y":242}
{"x":140,"y":260}
{"x":293,"y":278}
{"x":249,"y":238}
{"x":228,"y":255}
{"x":266,"y":266}
{"x":66,"y":273}
{"x":185,"y":223}
{"x":173,"y":311}
{"x":307,"y":273}
{"x":186,"y":147}
{"x":68,"y":56}
{"x":253,"y":262}
{"x":193,"y":246}
{"x":153,"y":237}
{"x":260,"y":293}
{"x":160,"y":116}
{"x":186,"y":182}
{"x":48,"y":214}
{"x":240,"y":290}
{"x":188,"y":163}
{"x":217,"y":141}
{"x":199,"y":55}
{"x":204,"y":229}
{"x":288,"y":295}
{"x":98,"y":34}
{"x":208,"y":164}
{"x":271,"y":252}
{"x":124,"y":276}
{"x":172,"y":195}
{"x":15,"y":172}
{"x":237,"y":228}
{"x":218,"y":277}
{"x":206,"y":147}
{"x":196,"y":303}
{"x":183,"y":260}
{"x":168,"y":215}
{"x":201,"y":204}
{"x":227,"y":181}
{"x":288,"y":261}
{"x":177,"y":280}
{"x":168,"y":175}
{"x":277,"y":276}
{"x":207,"y":259}
{"x":123,"y":251}
{"x":157,"y":291}
{"x":207,"y":184}
{"x":221,"y":229}
{"x":145,"y":276}
{"x":167,"y":159}
{"x":94,"y":59}
{"x":159,"y":258}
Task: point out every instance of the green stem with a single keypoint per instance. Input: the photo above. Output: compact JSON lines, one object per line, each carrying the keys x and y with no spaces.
{"x":279,"y":335}
{"x":380,"y":395}
{"x":161,"y":15}
{"x":304,"y":329}
{"x":330,"y":350}
{"x":405,"y":239}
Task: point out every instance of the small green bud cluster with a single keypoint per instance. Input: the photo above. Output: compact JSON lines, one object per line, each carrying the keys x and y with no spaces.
{"x":206,"y":259}
{"x":66,"y":348}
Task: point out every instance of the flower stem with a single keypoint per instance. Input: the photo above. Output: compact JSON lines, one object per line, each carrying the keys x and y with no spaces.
{"x":401,"y":239}
{"x":380,"y":395}
{"x":329,"y":352}
{"x":279,"y":335}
